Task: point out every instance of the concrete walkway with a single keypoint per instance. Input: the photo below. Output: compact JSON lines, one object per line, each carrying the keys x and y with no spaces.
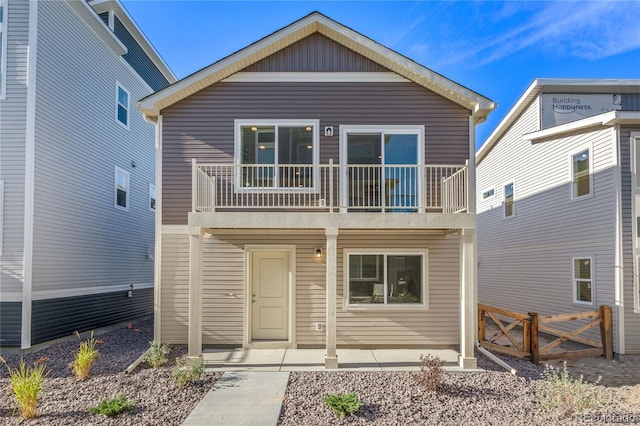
{"x":242,"y":398}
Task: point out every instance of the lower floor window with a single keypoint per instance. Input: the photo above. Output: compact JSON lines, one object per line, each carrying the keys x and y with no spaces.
{"x":582,"y":280}
{"x":386,"y":279}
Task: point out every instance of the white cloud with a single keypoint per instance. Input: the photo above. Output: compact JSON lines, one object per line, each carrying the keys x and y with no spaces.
{"x":587,"y":29}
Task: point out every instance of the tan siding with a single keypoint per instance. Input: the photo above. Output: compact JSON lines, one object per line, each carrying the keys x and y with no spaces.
{"x":525,"y":261}
{"x":201,"y":126}
{"x":224,"y":291}
{"x":174,"y":289}
{"x":439,"y":325}
{"x":316,"y":53}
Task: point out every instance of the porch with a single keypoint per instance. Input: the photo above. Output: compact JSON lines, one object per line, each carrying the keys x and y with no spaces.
{"x":313,"y":359}
{"x":330,"y":188}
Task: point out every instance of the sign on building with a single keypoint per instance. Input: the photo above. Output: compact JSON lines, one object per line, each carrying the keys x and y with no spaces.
{"x":562,"y":108}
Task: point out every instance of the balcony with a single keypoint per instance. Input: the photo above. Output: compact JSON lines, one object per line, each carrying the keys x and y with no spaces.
{"x":329,"y":188}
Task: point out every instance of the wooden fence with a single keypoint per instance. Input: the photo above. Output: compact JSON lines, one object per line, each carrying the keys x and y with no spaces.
{"x":523,"y":333}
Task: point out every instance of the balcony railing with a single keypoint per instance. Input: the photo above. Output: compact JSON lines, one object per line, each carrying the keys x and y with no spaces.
{"x":330,"y":188}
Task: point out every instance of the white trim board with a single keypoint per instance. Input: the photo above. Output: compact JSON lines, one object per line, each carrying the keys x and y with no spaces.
{"x":73,"y":292}
{"x":29,"y":172}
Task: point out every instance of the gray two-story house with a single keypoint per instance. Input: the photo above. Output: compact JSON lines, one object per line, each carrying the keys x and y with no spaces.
{"x":77,"y":172}
{"x":316,"y":191}
{"x":559,"y":204}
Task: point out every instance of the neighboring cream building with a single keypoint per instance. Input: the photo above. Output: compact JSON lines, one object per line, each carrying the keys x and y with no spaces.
{"x":558,"y":199}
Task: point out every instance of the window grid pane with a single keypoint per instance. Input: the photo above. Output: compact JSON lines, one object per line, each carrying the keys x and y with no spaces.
{"x":582,"y":279}
{"x":508,"y":200}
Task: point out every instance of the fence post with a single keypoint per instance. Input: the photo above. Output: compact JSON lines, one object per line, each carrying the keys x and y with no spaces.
{"x":526,"y":336}
{"x":606,"y":332}
{"x":535,"y":354}
{"x":481,"y":325}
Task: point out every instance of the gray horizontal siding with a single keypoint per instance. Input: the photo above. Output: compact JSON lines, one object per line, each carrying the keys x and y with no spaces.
{"x":525,"y":262}
{"x":55,"y":318}
{"x":13,"y":112}
{"x":138,"y":59}
{"x":316,"y":53}
{"x":631,"y":319}
{"x":80,"y":239}
{"x":201,"y":126}
{"x":10,"y":324}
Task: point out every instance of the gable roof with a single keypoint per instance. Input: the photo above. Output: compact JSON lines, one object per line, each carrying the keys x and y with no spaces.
{"x":553,"y":85}
{"x":312,"y":23}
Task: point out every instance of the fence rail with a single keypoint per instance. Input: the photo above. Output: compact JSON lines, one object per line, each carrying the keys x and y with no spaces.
{"x":330,"y":187}
{"x":522,"y":331}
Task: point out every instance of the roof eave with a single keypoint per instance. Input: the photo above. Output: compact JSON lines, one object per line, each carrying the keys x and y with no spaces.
{"x":316,"y":22}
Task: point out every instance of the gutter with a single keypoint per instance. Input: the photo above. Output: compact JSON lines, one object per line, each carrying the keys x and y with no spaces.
{"x":495,"y":359}
{"x":136,"y":363}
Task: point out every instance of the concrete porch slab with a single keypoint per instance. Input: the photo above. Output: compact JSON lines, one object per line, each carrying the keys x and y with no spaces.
{"x":244,"y":359}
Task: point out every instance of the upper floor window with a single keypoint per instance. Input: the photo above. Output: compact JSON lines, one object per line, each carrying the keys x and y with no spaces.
{"x":121,"y":190}
{"x":581,"y":174}
{"x":152,"y":197}
{"x":3,"y":47}
{"x":508,"y":200}
{"x":122,"y":106}
{"x":384,"y":279}
{"x":488,"y":193}
{"x":583,"y":280}
{"x":277,"y":154}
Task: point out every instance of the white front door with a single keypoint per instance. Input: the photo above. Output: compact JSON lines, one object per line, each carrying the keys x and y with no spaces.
{"x":269,"y":295}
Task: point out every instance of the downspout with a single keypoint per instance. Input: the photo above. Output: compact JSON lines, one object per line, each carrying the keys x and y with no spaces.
{"x":495,"y":359}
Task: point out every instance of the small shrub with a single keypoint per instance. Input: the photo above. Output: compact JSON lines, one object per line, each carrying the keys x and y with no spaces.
{"x":565,"y":394}
{"x":156,"y":356}
{"x":187,"y":370}
{"x":343,"y":404}
{"x":431,"y":372}
{"x":113,"y":407}
{"x":86,"y":355}
{"x":26,"y":383}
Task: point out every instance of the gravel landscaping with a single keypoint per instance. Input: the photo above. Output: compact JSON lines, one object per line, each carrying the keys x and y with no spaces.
{"x":65,"y":401}
{"x":494,"y":397}
{"x":491,"y":398}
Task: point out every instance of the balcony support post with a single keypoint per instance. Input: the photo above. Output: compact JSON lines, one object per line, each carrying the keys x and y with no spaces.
{"x":331,"y":357}
{"x":195,"y":292}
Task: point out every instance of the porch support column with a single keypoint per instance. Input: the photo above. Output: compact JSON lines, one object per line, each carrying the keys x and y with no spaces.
{"x":195,"y":292}
{"x":468,"y":299}
{"x":331,"y":357}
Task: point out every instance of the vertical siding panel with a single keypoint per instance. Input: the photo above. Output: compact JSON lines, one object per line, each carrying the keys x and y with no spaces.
{"x":315,"y":53}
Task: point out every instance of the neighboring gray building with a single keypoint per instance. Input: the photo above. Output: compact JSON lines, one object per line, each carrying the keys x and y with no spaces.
{"x":77,"y":172}
{"x":559,"y":204}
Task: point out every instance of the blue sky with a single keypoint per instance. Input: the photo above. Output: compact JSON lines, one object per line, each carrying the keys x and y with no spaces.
{"x":496,"y":48}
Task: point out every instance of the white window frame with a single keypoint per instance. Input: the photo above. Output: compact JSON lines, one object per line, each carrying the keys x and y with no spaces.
{"x":115,"y":189}
{"x":483,"y":198}
{"x":572,"y":154}
{"x":346,"y":130}
{"x":424,"y":253}
{"x":127,"y":107}
{"x":574,"y":280}
{"x":152,"y":196}
{"x":504,"y":200}
{"x":239,"y":123}
{"x":4,"y":4}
